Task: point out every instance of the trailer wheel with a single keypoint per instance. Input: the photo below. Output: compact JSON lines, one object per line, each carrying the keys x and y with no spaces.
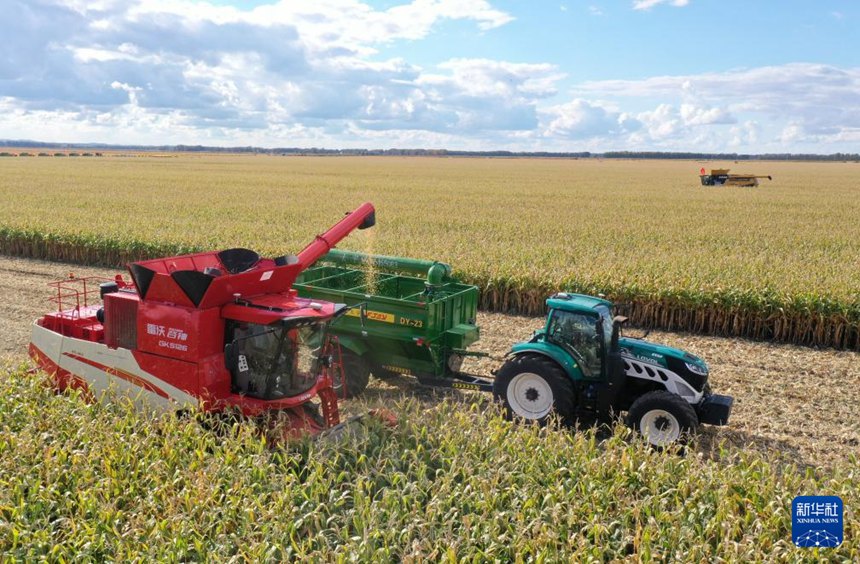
{"x":532,"y":387}
{"x":663,"y":418}
{"x":357,"y":373}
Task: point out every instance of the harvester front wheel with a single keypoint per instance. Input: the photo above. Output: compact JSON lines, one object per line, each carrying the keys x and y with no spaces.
{"x":312,"y":410}
{"x":533,"y":387}
{"x":356,"y":371}
{"x":662,"y":418}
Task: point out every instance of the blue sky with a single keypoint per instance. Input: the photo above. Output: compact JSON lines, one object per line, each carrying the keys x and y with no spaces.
{"x":691,"y":75}
{"x":606,"y":40}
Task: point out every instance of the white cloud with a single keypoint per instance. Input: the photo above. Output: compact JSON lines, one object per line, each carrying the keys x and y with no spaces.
{"x":293,"y":63}
{"x":484,"y":77}
{"x":351,"y":23}
{"x":822,"y":101}
{"x":697,"y":115}
{"x":479,"y":94}
{"x":745,"y":135}
{"x":294,"y":73}
{"x":583,"y":119}
{"x":792,"y":133}
{"x":663,"y":122}
{"x":648,"y":4}
{"x":757,"y":84}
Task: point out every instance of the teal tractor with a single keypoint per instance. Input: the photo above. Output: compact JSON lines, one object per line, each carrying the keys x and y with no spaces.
{"x":579,"y":366}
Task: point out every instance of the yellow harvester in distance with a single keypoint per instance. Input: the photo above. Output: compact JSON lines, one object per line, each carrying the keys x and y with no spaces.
{"x":721,"y":177}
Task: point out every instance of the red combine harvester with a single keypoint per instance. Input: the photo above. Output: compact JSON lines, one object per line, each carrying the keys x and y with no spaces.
{"x":218,"y":330}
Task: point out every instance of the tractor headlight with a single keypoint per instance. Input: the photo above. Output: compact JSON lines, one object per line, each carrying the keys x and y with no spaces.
{"x":696,"y":369}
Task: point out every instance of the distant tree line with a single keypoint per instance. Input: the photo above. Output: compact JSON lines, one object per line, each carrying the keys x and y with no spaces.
{"x":439,"y":152}
{"x":375,"y":152}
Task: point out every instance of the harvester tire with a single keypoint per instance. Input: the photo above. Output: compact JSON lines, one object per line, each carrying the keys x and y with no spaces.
{"x":532,"y":387}
{"x":357,"y":373}
{"x":312,"y":410}
{"x":662,"y":418}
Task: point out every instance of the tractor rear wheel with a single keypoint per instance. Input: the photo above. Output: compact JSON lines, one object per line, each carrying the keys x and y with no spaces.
{"x":663,"y":418}
{"x":533,"y":387}
{"x":356,"y":371}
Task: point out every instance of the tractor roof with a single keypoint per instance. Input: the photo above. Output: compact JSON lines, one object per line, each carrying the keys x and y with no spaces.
{"x":575,"y":302}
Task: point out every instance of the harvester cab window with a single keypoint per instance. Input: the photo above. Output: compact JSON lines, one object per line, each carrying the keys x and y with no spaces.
{"x":275,"y":362}
{"x":579,"y":332}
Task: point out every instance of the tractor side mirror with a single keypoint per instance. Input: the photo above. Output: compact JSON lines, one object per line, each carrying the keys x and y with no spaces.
{"x":617,"y":322}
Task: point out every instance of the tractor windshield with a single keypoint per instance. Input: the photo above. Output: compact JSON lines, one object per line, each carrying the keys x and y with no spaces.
{"x":578,"y":333}
{"x":275,"y":362}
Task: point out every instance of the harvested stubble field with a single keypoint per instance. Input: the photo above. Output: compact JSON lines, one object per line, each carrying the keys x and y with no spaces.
{"x":453,"y":481}
{"x":778,"y":262}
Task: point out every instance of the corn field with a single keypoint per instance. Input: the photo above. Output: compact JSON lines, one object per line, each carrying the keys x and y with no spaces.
{"x":778,"y":262}
{"x":100,"y":482}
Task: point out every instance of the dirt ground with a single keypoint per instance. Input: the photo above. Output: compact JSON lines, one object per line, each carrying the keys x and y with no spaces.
{"x":799,"y":403}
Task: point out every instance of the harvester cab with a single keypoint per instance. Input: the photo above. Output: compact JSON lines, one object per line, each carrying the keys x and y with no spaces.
{"x":579,"y":365}
{"x":217,"y":330}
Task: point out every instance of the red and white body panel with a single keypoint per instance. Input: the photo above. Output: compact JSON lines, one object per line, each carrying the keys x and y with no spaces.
{"x":96,"y":369}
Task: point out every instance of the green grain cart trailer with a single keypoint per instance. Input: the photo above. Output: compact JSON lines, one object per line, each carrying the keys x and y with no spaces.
{"x":409,"y":317}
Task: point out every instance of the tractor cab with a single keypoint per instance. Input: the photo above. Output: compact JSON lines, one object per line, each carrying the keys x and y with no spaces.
{"x":582,"y":327}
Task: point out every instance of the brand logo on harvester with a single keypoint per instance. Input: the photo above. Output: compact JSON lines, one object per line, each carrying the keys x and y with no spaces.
{"x":171,"y":333}
{"x":816,"y":521}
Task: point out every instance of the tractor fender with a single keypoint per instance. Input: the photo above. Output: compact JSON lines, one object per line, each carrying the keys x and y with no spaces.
{"x":568,"y":364}
{"x":353,"y":344}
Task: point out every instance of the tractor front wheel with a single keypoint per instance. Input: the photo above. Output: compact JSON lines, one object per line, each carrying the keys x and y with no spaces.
{"x":356,"y":372}
{"x":532,"y":387}
{"x":663,"y":418}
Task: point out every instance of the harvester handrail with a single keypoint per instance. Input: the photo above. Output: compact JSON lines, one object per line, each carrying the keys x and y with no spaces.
{"x":74,"y":290}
